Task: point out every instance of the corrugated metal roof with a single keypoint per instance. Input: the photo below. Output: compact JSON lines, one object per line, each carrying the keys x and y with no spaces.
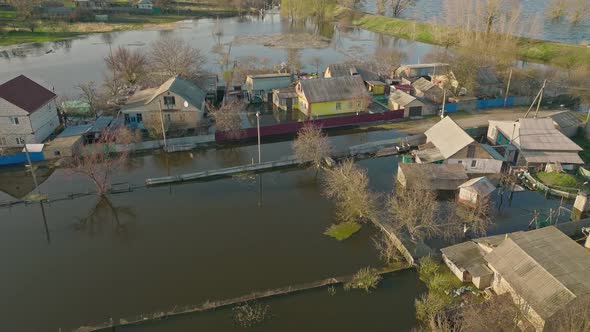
{"x":552,"y":157}
{"x":343,"y":69}
{"x":435,"y":171}
{"x":401,"y":98}
{"x":544,"y":266}
{"x":75,"y":130}
{"x":482,"y":186}
{"x":541,"y":134}
{"x":448,"y":137}
{"x":333,"y":89}
{"x":566,"y":119}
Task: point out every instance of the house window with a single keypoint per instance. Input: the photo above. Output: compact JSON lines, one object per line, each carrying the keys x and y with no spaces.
{"x":473,"y":163}
{"x":459,"y":161}
{"x":20,"y":140}
{"x":169,"y":101}
{"x":2,"y":141}
{"x":338,"y":106}
{"x":127,"y":120}
{"x":168,"y":117}
{"x":14,"y":121}
{"x":139,"y":118}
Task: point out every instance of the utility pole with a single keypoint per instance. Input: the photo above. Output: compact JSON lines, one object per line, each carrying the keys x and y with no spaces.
{"x":507,"y":88}
{"x":30,"y":165}
{"x":258,"y":130}
{"x":162,"y":123}
{"x":540,"y":97}
{"x":532,"y":104}
{"x":442,"y":113}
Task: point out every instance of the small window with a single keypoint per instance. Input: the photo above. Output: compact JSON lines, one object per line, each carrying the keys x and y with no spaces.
{"x":14,"y":121}
{"x":56,"y":153}
{"x":127,"y":119}
{"x":169,"y":101}
{"x":338,"y":106}
{"x":20,"y":141}
{"x":460,"y":161}
{"x":2,"y":141}
{"x":139,"y":118}
{"x":473,"y":163}
{"x":168,"y":117}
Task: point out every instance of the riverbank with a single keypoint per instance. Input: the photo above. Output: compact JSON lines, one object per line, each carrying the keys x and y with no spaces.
{"x":50,"y":30}
{"x":534,"y":50}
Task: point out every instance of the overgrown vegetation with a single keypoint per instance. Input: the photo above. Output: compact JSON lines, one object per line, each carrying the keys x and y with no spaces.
{"x":250,"y":314}
{"x":365,"y":279}
{"x":583,"y":142}
{"x":343,"y":230}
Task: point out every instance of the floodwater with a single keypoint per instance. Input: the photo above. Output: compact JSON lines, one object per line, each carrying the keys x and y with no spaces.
{"x":81,"y":60}
{"x":532,"y":10}
{"x":157,"y":248}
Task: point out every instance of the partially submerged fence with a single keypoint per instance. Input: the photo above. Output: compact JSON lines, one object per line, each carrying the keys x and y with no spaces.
{"x":207,"y":306}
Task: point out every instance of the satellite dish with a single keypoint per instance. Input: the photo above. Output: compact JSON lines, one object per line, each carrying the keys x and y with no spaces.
{"x":185,"y":103}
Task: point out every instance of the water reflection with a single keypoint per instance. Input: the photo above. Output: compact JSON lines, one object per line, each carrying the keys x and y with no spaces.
{"x":104,"y":213}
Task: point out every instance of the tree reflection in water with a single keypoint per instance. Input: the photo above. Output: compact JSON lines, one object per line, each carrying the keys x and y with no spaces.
{"x":103,"y":214}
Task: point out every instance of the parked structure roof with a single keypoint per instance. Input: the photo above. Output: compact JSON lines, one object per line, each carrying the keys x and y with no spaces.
{"x":448,"y":137}
{"x":545,"y":267}
{"x":468,"y":256}
{"x":333,"y":89}
{"x":541,"y":134}
{"x":25,"y":93}
{"x":435,"y":171}
{"x":75,"y":130}
{"x":566,"y":119}
{"x":423,"y":84}
{"x":345,"y":69}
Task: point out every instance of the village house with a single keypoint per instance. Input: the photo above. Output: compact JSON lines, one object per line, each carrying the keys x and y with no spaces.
{"x":428,"y":90}
{"x":91,"y":4}
{"x":434,"y":176}
{"x":543,"y":270}
{"x":448,"y":143}
{"x":260,"y":86}
{"x":145,"y":4}
{"x":567,"y":122}
{"x":329,"y":96}
{"x":534,"y":142}
{"x":422,"y":70}
{"x":412,"y":106}
{"x":285,"y":99}
{"x":28,"y":113}
{"x":179,"y":103}
{"x":373,"y":81}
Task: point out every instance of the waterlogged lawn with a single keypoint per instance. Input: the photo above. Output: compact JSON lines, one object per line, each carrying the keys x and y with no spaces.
{"x":563,"y":180}
{"x":343,"y":231}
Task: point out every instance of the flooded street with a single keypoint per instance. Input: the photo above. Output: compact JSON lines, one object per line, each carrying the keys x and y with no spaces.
{"x":157,"y":248}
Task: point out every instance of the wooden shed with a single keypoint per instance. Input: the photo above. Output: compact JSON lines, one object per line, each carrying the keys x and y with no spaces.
{"x":474,"y":190}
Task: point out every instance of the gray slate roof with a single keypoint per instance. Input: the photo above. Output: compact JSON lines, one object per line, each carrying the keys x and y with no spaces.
{"x":401,"y":98}
{"x":186,"y":89}
{"x":482,"y":186}
{"x":545,"y":267}
{"x":423,"y":84}
{"x":435,"y":171}
{"x":448,"y":137}
{"x":344,"y":69}
{"x":566,"y":119}
{"x":468,"y":256}
{"x":333,"y":89}
{"x":541,"y":134}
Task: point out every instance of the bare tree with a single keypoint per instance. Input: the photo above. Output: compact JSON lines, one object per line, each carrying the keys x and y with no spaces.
{"x":311,"y":144}
{"x":385,"y":60}
{"x":388,"y":252}
{"x":171,"y":57}
{"x":477,"y":217}
{"x":348,"y":186}
{"x":317,"y":62}
{"x":227,"y":118}
{"x":414,"y":210}
{"x":574,"y":317}
{"x":100,"y":160}
{"x":361,"y":103}
{"x":93,"y":96}
{"x":400,"y":6}
{"x":130,"y":66}
{"x":26,"y":11}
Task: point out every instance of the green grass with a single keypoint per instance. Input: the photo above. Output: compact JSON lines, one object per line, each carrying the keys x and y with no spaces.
{"x":560,"y":54}
{"x":556,"y":179}
{"x":19,"y":37}
{"x":343,"y":231}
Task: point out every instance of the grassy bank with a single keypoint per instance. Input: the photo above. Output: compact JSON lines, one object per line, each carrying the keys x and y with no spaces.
{"x":47,"y":30}
{"x":528,"y":49}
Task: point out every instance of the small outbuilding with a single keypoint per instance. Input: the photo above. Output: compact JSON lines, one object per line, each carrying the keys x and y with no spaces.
{"x":567,"y":122}
{"x":466,"y":261}
{"x":411,"y":105}
{"x":436,"y":176}
{"x":260,"y":87}
{"x":285,"y":99}
{"x":475,"y":190}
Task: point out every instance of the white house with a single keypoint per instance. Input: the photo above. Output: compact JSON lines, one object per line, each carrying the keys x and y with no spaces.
{"x":448,"y":143}
{"x":28,"y":113}
{"x":145,"y":4}
{"x":179,"y":103}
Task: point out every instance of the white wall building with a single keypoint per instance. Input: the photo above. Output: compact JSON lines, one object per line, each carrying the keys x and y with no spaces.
{"x":28,"y":113}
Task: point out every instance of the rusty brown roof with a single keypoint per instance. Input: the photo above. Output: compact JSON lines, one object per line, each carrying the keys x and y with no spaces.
{"x":25,"y":93}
